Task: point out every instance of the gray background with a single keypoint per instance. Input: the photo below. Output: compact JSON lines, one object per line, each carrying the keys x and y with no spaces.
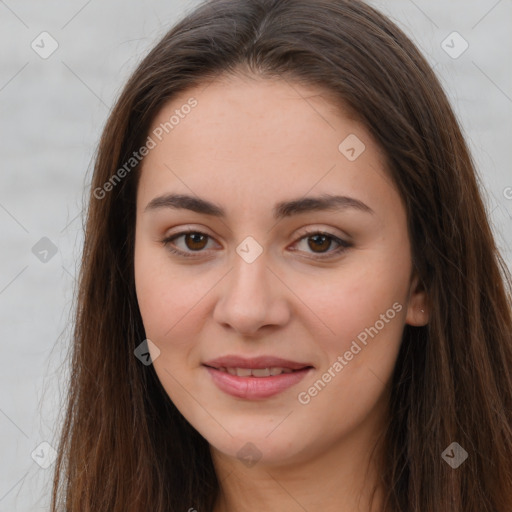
{"x":52,"y":112}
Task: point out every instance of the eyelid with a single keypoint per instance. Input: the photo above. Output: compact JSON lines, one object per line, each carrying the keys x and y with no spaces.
{"x":317,"y":229}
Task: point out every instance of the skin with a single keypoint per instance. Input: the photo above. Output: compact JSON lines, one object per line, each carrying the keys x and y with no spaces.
{"x":247,"y":145}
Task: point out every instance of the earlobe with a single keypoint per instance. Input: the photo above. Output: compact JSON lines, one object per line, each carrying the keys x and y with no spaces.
{"x":417,"y":311}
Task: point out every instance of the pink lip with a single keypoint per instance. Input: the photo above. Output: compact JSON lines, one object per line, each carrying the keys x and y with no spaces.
{"x":253,"y":388}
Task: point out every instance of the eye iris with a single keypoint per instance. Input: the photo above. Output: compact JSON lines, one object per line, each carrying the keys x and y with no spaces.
{"x":196,"y":238}
{"x":325,"y":245}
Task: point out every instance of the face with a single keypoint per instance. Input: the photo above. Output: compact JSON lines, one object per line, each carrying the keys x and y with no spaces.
{"x":277,"y":291}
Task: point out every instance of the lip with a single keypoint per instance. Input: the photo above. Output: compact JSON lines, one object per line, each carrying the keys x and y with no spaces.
{"x":254,"y":388}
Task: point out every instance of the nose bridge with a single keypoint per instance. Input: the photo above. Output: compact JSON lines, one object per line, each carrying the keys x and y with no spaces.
{"x":249,"y":297}
{"x":249,"y":274}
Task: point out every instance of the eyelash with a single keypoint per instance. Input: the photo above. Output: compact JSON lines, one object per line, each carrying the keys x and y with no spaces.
{"x":343,"y":245}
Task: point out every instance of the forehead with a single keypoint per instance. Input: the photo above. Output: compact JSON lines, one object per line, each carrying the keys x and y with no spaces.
{"x":254,"y":138}
{"x":255,"y":110}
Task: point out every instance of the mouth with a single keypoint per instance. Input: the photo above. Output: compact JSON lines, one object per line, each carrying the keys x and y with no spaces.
{"x":254,"y":372}
{"x":255,"y":378}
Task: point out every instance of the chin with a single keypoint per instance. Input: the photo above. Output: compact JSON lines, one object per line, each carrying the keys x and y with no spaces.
{"x":253,"y":445}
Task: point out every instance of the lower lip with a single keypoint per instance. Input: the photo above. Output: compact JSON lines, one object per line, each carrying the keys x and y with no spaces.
{"x":252,"y":388}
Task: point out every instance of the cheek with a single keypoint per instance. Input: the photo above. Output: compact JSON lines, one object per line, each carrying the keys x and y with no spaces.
{"x":365,"y":312}
{"x":357,"y":300}
{"x":169,"y":299}
{"x":166,"y":294}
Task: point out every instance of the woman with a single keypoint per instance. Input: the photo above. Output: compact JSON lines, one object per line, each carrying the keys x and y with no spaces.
{"x":290,"y":296}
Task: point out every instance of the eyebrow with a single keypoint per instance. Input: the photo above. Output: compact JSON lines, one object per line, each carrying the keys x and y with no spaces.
{"x":283,"y":209}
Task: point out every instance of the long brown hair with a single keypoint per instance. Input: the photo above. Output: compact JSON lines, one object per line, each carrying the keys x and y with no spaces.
{"x":125,"y":447}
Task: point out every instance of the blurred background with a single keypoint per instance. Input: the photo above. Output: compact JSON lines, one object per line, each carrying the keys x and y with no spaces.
{"x":62,"y":66}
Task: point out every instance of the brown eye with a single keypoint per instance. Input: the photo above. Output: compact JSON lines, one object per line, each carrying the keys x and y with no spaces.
{"x":187,"y":243}
{"x":321,"y":243}
{"x":195,"y":241}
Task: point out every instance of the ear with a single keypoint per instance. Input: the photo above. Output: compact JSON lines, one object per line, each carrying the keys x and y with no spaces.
{"x":417,"y":312}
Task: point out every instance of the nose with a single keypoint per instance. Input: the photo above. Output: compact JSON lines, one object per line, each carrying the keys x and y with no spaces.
{"x":251,"y":297}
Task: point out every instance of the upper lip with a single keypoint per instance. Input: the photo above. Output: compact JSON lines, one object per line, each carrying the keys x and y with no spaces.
{"x":233,"y":361}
